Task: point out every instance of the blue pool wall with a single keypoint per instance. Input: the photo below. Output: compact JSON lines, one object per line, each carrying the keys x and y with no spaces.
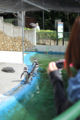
{"x":25,"y":93}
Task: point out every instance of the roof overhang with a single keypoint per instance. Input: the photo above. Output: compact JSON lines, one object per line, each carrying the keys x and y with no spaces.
{"x":42,"y":7}
{"x":37,"y":5}
{"x":19,"y":5}
{"x":59,"y":5}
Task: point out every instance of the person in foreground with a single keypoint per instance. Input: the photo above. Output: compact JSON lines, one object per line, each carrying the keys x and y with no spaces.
{"x":72,"y":58}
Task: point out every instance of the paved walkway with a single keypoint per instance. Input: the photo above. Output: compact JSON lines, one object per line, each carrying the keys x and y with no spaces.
{"x":10,"y":80}
{"x":11,"y":57}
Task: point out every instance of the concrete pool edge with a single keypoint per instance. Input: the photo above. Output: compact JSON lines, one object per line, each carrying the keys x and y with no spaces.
{"x":27,"y":61}
{"x":27,"y":89}
{"x":20,"y":85}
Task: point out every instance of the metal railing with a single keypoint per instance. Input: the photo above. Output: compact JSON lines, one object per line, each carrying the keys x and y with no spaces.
{"x":70,"y":114}
{"x":51,"y":38}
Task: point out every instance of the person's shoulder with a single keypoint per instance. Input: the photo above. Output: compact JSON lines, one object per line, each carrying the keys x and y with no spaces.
{"x":73,"y":89}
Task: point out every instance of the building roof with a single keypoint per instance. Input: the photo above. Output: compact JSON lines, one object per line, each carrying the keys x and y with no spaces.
{"x":18,"y":5}
{"x":33,"y":5}
{"x":59,"y":5}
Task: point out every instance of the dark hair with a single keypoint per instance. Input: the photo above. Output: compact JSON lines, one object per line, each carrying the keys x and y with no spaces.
{"x":73,"y":49}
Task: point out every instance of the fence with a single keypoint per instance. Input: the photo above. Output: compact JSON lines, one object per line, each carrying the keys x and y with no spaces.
{"x":70,"y":114}
{"x":50,"y":38}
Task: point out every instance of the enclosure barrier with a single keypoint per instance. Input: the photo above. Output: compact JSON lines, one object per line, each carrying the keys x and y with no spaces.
{"x":71,"y":114}
{"x":49,"y":37}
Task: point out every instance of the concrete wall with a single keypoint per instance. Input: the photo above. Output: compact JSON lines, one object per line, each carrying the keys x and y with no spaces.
{"x":55,"y":48}
{"x":13,"y":31}
{"x":31,"y":35}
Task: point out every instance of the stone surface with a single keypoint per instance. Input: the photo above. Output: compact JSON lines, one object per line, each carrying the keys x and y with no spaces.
{"x":8,"y":69}
{"x":10,"y":80}
{"x":8,"y":43}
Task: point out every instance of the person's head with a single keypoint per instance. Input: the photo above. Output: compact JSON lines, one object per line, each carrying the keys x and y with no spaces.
{"x":73,"y":49}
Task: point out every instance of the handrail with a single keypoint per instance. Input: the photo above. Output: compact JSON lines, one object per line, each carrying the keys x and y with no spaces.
{"x":70,"y":114}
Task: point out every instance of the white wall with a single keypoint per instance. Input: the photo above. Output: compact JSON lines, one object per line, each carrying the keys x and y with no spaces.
{"x":11,"y":57}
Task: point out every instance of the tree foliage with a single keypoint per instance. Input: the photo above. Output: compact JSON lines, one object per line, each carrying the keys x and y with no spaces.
{"x":50,"y":17}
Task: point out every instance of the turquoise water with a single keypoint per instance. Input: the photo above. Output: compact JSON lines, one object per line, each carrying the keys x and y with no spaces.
{"x":34,"y":101}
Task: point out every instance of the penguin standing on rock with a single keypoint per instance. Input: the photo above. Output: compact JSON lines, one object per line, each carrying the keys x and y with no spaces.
{"x":26,"y":75}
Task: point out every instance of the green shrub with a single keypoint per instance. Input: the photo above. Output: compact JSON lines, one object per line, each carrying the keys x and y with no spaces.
{"x":9,"y":20}
{"x":27,"y":28}
{"x":46,"y":34}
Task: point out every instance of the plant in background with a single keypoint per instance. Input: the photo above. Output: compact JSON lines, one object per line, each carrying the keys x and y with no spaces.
{"x":47,"y":34}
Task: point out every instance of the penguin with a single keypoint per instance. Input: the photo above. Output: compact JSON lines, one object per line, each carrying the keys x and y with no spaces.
{"x":26,"y":75}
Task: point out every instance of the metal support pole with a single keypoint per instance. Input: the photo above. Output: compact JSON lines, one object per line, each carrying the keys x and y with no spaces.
{"x":57,"y":35}
{"x":63,"y":35}
{"x":23,"y":15}
{"x":68,"y":21}
{"x":43,"y":19}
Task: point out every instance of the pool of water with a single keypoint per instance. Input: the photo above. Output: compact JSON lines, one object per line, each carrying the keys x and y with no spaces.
{"x":36,"y":100}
